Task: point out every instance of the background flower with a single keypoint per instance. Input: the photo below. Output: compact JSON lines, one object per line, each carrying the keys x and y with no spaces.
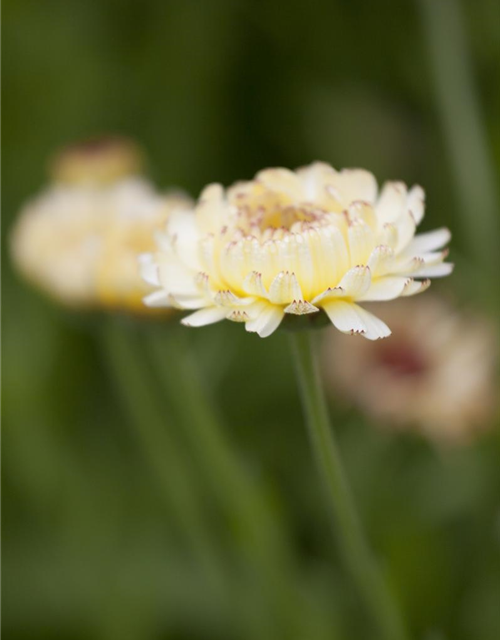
{"x":296,"y":243}
{"x":79,"y":240}
{"x":437,"y":374}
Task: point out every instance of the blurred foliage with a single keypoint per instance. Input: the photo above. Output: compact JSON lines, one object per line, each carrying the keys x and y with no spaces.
{"x":215,"y":91}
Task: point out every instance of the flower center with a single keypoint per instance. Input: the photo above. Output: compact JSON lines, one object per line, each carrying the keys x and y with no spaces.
{"x":286,"y":218}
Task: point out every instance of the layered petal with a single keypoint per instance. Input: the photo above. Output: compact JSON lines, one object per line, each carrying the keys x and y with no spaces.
{"x":298,"y":243}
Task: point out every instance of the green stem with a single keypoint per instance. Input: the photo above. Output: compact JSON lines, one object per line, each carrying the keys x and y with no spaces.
{"x":351,"y":539}
{"x":263,"y":543}
{"x":135,"y":385}
{"x":459,"y":109}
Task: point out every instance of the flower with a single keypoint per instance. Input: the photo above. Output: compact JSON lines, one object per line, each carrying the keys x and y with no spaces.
{"x":79,"y":240}
{"x":435,"y":375}
{"x":294,"y":243}
{"x":99,"y":160}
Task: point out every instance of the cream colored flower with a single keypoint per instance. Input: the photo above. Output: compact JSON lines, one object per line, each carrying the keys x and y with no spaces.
{"x":79,"y":240}
{"x":296,"y":243}
{"x":101,"y":160}
{"x":436,"y":374}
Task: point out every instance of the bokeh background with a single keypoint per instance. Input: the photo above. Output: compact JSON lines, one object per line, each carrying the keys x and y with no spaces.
{"x":215,"y":91}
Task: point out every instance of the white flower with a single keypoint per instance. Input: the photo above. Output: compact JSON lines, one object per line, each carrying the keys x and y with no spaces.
{"x":296,"y":243}
{"x":435,"y":375}
{"x":79,"y":240}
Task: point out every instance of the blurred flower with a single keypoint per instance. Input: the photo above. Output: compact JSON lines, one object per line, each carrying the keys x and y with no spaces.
{"x":296,"y":243}
{"x":79,"y":240}
{"x":102,"y":160}
{"x":436,"y":374}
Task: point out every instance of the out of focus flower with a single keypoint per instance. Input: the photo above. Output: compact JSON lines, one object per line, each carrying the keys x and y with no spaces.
{"x":436,"y":374}
{"x":79,"y":240}
{"x":101,"y":160}
{"x":294,"y":243}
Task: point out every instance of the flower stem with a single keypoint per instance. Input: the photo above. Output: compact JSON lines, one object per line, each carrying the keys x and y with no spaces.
{"x":355,"y":551}
{"x":259,"y":536}
{"x":458,"y":104}
{"x":135,"y":386}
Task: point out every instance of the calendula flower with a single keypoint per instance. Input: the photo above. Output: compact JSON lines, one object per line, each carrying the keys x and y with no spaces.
{"x":296,"y":243}
{"x":79,"y":240}
{"x":435,"y":375}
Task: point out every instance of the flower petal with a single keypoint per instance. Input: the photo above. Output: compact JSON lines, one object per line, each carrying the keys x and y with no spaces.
{"x":361,"y":241}
{"x":351,"y":318}
{"x":354,"y":284}
{"x":415,"y":203}
{"x":381,"y":260}
{"x":284,"y":288}
{"x":413,"y":287}
{"x":254,"y":286}
{"x":430,"y":241}
{"x":158,"y":298}
{"x":386,"y":288}
{"x":391,"y":202}
{"x":435,"y":271}
{"x":205,"y":316}
{"x":300,"y":308}
{"x":267,"y":321}
{"x":149,"y":269}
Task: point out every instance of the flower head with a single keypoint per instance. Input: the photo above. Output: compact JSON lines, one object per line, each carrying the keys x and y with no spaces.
{"x":295,"y":243}
{"x":435,"y":375}
{"x":79,"y":240}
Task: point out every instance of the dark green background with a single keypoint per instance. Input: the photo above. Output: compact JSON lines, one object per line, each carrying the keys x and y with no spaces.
{"x":215,"y":91}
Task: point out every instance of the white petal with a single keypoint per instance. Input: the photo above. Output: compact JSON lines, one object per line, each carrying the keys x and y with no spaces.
{"x":435,"y":271}
{"x":415,"y":203}
{"x":183,"y":227}
{"x":351,"y":318}
{"x":149,"y":269}
{"x":158,"y":298}
{"x":355,"y":184}
{"x":386,"y":288}
{"x":413,"y":287}
{"x":430,"y":241}
{"x":284,"y":289}
{"x":204,"y":316}
{"x":406,"y":227}
{"x":391,"y":202}
{"x":361,"y":241}
{"x":279,"y":179}
{"x":353,"y":285}
{"x":388,"y":235}
{"x":375,"y":327}
{"x":227,"y":298}
{"x":253,"y":285}
{"x":344,"y":316}
{"x":190,"y":301}
{"x":300,"y":308}
{"x":267,"y":321}
{"x":175,"y":277}
{"x":238,"y":315}
{"x":211,"y":209}
{"x":381,"y":260}
{"x":356,"y":282}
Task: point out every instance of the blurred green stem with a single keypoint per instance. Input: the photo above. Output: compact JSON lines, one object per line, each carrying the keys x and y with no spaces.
{"x":135,"y":385}
{"x":459,"y":110}
{"x":260,"y":537}
{"x":351,"y":539}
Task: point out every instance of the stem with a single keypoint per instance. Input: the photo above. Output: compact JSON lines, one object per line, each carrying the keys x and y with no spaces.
{"x":134,"y":385}
{"x":261,"y":539}
{"x":465,"y":136}
{"x":353,"y":545}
